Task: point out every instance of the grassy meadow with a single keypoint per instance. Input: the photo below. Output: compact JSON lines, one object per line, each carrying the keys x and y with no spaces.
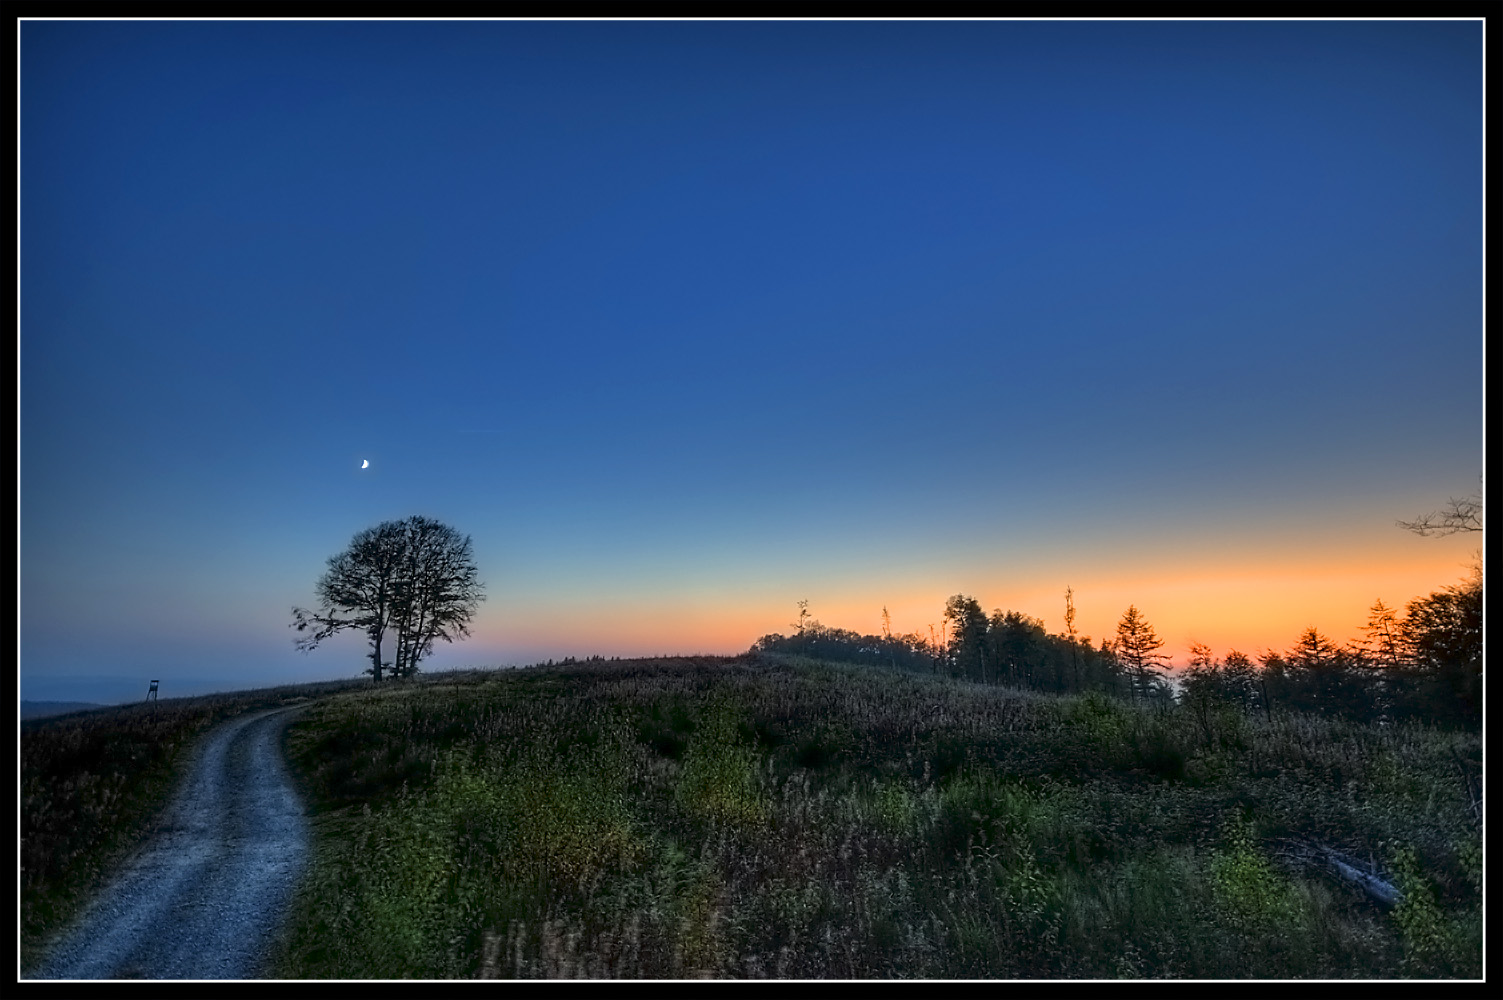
{"x":767,"y":816}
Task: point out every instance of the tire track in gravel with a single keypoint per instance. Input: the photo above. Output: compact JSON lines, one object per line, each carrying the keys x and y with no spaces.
{"x":204,"y":897}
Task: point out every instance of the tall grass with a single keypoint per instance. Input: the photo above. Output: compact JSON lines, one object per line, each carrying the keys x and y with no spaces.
{"x":767,"y":817}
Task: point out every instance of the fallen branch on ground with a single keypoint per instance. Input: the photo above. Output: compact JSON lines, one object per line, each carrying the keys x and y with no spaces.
{"x":1365,"y":877}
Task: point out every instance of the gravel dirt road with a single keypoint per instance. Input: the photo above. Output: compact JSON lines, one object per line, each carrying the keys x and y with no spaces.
{"x":204,"y":897}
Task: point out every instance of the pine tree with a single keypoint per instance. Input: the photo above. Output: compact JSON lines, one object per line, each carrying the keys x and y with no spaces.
{"x":1137,"y":648}
{"x":968,"y":628}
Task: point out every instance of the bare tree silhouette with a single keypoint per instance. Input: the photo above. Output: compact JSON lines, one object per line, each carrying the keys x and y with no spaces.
{"x":1464,"y":514}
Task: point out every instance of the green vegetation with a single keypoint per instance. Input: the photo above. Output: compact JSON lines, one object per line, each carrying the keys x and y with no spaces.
{"x":777,"y":816}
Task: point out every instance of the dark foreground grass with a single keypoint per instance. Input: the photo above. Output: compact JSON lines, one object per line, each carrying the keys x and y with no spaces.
{"x":758,"y":817}
{"x":92,"y":783}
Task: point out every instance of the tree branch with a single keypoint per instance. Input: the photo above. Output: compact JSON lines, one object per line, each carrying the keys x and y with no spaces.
{"x":321,"y":627}
{"x":1463,"y":514}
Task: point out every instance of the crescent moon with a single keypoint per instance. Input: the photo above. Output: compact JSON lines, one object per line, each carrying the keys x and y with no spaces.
{"x":365,"y":464}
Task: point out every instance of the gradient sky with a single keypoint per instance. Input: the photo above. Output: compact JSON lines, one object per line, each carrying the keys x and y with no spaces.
{"x":685,"y":322}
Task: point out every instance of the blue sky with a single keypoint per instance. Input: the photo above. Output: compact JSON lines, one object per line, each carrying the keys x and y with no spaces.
{"x":684,"y":322}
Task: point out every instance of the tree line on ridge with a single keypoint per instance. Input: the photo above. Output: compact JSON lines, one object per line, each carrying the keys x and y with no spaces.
{"x":1424,"y":662}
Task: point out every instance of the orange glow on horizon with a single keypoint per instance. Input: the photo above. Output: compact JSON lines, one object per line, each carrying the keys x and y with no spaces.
{"x":1262,"y":610}
{"x":1253,"y":609}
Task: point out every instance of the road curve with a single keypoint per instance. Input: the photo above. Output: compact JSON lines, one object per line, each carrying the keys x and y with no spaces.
{"x":203,"y":898}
